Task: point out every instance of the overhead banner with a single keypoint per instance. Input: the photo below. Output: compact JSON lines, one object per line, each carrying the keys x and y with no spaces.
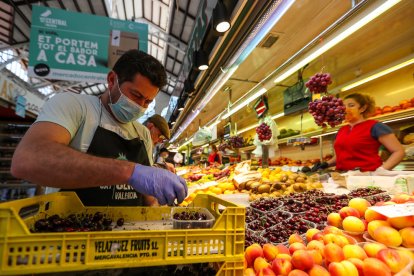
{"x":79,"y":47}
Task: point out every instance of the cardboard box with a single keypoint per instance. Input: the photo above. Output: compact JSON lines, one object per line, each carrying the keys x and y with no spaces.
{"x":119,"y":43}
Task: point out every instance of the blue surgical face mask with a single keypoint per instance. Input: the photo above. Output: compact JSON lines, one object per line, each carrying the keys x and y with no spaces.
{"x":125,"y":110}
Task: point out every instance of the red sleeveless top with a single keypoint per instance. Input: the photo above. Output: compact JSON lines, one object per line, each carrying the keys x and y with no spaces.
{"x":356,"y":148}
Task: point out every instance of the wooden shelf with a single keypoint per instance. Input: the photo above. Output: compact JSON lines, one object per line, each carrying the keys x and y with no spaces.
{"x":399,"y":116}
{"x":248,"y":148}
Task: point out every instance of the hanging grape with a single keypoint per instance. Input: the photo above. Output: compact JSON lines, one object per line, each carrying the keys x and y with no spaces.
{"x":264,"y":132}
{"x":319,"y":83}
{"x":327,"y":111}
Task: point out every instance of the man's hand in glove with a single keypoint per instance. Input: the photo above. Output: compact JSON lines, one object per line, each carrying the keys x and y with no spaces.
{"x":162,"y":184}
{"x":319,"y":166}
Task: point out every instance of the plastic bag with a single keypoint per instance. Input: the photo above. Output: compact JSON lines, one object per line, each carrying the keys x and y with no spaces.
{"x":201,"y":137}
{"x":178,"y":158}
{"x":273,"y":139}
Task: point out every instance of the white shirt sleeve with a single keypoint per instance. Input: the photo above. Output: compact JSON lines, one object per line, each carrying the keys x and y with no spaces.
{"x":65,"y":109}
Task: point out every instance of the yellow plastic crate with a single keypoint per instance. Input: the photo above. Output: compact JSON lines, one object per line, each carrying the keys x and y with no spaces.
{"x":24,"y":252}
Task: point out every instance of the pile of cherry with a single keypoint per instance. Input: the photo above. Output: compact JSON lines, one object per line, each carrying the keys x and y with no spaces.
{"x":76,"y":223}
{"x":273,"y":220}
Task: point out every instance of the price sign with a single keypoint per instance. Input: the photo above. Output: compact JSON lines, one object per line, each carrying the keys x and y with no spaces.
{"x":395,"y":210}
{"x":261,"y":106}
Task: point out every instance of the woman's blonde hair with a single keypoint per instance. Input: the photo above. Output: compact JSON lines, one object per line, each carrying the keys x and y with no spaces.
{"x":364,"y":100}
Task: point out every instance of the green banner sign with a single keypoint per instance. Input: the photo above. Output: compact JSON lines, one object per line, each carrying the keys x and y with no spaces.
{"x":79,"y":47}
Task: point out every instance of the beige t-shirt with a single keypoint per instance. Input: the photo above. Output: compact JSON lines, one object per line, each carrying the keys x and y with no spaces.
{"x":81,"y":115}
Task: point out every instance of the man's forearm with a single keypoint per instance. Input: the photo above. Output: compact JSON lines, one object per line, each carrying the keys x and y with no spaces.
{"x":57,"y":165}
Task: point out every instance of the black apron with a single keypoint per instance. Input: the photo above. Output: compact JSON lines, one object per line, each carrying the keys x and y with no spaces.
{"x":108,"y":144}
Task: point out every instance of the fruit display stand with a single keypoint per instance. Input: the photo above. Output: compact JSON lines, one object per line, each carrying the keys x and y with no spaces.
{"x":22,"y":251}
{"x":345,"y":246}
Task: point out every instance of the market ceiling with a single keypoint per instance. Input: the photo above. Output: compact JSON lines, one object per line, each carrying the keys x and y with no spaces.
{"x":304,"y":28}
{"x":171,"y":25}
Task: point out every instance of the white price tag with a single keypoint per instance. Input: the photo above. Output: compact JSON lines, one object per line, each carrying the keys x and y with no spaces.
{"x":396,"y":210}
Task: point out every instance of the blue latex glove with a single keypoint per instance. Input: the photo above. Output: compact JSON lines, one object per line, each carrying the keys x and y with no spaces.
{"x":159,"y":183}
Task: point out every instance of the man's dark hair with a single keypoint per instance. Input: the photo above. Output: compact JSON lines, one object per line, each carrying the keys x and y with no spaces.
{"x":137,"y":62}
{"x":163,"y":150}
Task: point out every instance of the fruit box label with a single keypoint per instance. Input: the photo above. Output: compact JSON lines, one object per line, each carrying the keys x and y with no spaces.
{"x":125,"y":248}
{"x":395,"y":210}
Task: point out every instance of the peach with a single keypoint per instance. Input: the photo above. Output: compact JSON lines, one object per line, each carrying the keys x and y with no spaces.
{"x":282,"y":249}
{"x":316,"y":245}
{"x":407,"y":255}
{"x":296,"y":246}
{"x":334,"y":219}
{"x":318,"y":270}
{"x":392,"y":259}
{"x":297,"y":272}
{"x":249,"y":272}
{"x":309,"y":234}
{"x":284,"y":256}
{"x":373,"y":225}
{"x":331,"y":230}
{"x":375,"y":267}
{"x":371,"y":215}
{"x":372,"y":248}
{"x":401,"y":222}
{"x":252,"y":252}
{"x":333,"y":253}
{"x":316,"y":256}
{"x":407,"y":235}
{"x":344,"y":268}
{"x":260,"y":263}
{"x":265,"y":272}
{"x":359,"y":264}
{"x":387,"y":236}
{"x":354,"y":251}
{"x":340,"y":240}
{"x":301,"y":259}
{"x":318,"y":237}
{"x":401,"y":198}
{"x":353,"y":224}
{"x":348,"y":211}
{"x":295,"y":238}
{"x":361,"y":204}
{"x":281,"y":266}
{"x":270,"y":251}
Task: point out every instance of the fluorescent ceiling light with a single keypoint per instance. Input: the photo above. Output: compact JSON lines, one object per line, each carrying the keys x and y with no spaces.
{"x":186,"y":143}
{"x":344,"y":34}
{"x":379,"y":74}
{"x":181,"y":109}
{"x":247,"y":128}
{"x":172,"y":123}
{"x":244,"y":103}
{"x":281,"y":114}
{"x":214,"y":124}
{"x":398,"y":119}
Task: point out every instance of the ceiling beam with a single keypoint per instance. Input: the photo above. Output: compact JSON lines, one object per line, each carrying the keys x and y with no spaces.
{"x":19,"y":12}
{"x":91,"y":7}
{"x":105,"y":7}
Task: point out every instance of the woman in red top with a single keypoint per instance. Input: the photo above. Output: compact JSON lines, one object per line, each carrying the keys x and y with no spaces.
{"x":215,"y":156}
{"x":357,"y":143}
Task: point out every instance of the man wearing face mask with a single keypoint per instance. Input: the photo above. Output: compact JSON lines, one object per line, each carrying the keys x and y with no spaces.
{"x":95,"y":147}
{"x":357,"y":143}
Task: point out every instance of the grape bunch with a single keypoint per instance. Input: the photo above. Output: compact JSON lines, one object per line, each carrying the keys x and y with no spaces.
{"x":223,"y":146}
{"x":264,"y":132}
{"x":327,"y":111}
{"x":236,"y":142}
{"x":319,"y":83}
